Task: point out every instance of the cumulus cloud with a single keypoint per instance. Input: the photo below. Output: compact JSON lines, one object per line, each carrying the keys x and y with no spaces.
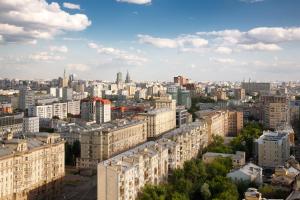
{"x":29,"y":20}
{"x":78,"y":67}
{"x":222,"y":60}
{"x":140,"y":2}
{"x":71,"y":6}
{"x":223,"y":50}
{"x":45,"y":56}
{"x":260,"y":46}
{"x":60,"y":49}
{"x":183,"y":43}
{"x":118,"y":55}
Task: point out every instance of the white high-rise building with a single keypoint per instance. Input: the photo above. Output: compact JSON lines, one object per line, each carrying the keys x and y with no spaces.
{"x":60,"y":110}
{"x":96,"y":109}
{"x":31,"y":125}
{"x":74,"y":107}
{"x":273,"y":149}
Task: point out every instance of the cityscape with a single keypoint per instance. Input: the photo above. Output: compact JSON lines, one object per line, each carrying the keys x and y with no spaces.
{"x":149,"y":100}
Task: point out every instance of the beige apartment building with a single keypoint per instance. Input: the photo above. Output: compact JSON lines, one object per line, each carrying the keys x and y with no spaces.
{"x":217,"y":122}
{"x":235,"y":123}
{"x":110,"y":139}
{"x":222,"y":122}
{"x":275,"y":111}
{"x":31,"y":168}
{"x":159,"y":121}
{"x":273,"y":149}
{"x":122,"y":177}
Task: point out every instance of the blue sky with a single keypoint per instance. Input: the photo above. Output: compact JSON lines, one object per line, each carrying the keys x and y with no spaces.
{"x":153,"y":40}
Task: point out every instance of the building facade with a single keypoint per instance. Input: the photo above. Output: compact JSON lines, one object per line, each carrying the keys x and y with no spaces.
{"x":31,"y":125}
{"x":159,"y":121}
{"x":31,"y":168}
{"x":95,"y":109}
{"x":273,"y":149}
{"x":109,"y":140}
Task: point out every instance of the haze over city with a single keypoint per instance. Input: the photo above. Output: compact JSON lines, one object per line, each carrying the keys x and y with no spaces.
{"x":204,"y":40}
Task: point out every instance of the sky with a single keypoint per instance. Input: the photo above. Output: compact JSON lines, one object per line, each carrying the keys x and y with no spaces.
{"x":204,"y":40}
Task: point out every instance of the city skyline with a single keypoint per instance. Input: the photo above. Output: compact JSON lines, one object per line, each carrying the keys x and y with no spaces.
{"x":153,"y":40}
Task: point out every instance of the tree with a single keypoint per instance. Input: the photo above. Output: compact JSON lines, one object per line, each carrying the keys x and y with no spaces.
{"x":219,"y":167}
{"x":205,"y":192}
{"x":153,"y":192}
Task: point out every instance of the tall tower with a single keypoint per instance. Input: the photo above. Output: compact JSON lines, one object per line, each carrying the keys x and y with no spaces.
{"x":128,"y":80}
{"x":65,"y":80}
{"x":119,"y":78}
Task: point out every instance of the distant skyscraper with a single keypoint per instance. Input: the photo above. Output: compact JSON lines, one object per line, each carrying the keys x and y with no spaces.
{"x":128,"y":80}
{"x":65,"y":81}
{"x":119,"y":78}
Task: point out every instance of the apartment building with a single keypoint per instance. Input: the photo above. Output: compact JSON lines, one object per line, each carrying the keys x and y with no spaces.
{"x":217,"y":122}
{"x":41,"y":111}
{"x":95,"y":109}
{"x":31,"y":125}
{"x":31,"y":168}
{"x":235,"y":123}
{"x":222,"y":122}
{"x":273,"y":149}
{"x":159,"y":121}
{"x":109,"y":140}
{"x":189,"y":139}
{"x":60,"y":110}
{"x":239,"y":94}
{"x":123,"y":176}
{"x":275,"y":111}
{"x":74,"y":107}
{"x":12,"y":123}
{"x":26,"y":98}
{"x":251,"y":87}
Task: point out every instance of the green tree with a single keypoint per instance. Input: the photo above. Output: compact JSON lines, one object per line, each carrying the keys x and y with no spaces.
{"x":205,"y":192}
{"x":153,"y":192}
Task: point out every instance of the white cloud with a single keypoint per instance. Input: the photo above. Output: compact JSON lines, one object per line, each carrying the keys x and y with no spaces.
{"x":29,"y":20}
{"x":118,"y":55}
{"x":71,"y":6}
{"x":222,"y":60}
{"x":260,"y":46}
{"x":45,"y":56}
{"x":183,"y":43}
{"x":223,"y":50}
{"x":78,"y":67}
{"x":140,"y":2}
{"x":60,"y":49}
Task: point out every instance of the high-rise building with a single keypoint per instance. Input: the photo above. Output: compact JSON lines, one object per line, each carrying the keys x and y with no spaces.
{"x":128,"y":79}
{"x":67,"y":94}
{"x":32,"y":168}
{"x":119,"y":79}
{"x":95,"y":109}
{"x":235,"y":123}
{"x":26,"y":98}
{"x":65,"y":80}
{"x":275,"y":111}
{"x":74,"y":107}
{"x":273,"y":149}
